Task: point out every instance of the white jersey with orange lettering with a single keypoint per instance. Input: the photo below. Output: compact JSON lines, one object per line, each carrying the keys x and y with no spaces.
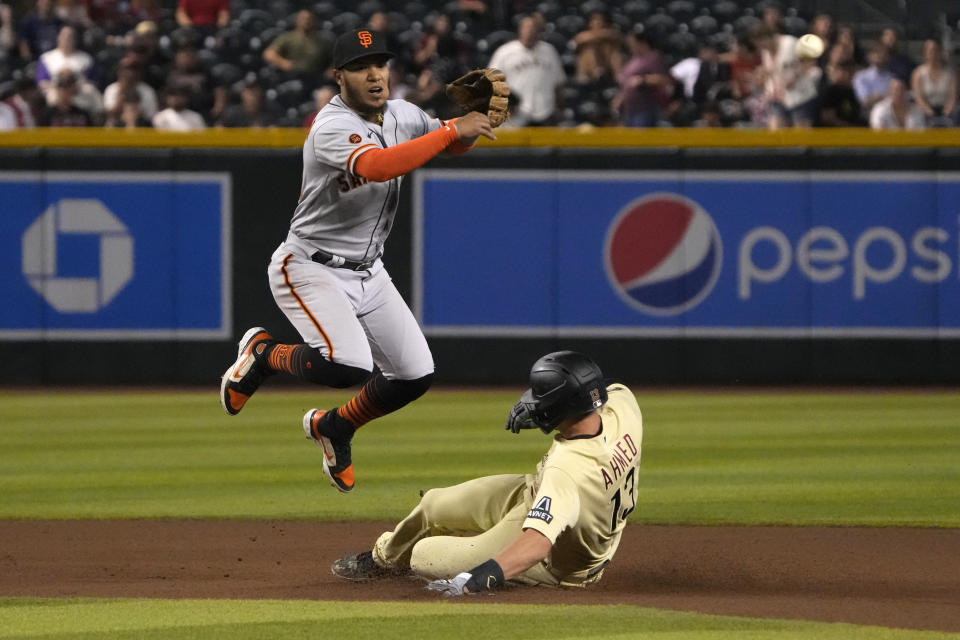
{"x":586,"y":487}
{"x":335,"y":214}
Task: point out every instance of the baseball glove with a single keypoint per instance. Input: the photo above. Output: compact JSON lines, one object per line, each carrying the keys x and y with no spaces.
{"x":483,"y":90}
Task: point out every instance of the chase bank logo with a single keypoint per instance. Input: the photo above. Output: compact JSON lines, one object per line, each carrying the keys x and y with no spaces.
{"x":40,"y":255}
{"x":663,"y":254}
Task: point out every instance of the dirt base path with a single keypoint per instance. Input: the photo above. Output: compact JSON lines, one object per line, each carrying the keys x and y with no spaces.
{"x":891,"y":577}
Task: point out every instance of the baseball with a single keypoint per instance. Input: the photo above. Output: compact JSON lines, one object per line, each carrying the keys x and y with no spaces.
{"x":809,"y":46}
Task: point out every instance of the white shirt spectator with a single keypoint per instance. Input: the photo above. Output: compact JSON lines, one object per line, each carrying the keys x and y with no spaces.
{"x":779,"y":66}
{"x":8,"y":118}
{"x":882,"y":116}
{"x":686,"y":72}
{"x":183,"y":120}
{"x":55,"y":61}
{"x":803,"y":87}
{"x":148,"y":98}
{"x":22,"y":113}
{"x":534,"y":75}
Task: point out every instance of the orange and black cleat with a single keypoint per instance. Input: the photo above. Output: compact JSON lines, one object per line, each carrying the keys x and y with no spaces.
{"x":337,"y":464}
{"x":246,"y":375}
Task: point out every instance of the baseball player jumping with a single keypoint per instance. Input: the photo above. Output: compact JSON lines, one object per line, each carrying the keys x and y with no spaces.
{"x":327,"y":276}
{"x":560,"y":526}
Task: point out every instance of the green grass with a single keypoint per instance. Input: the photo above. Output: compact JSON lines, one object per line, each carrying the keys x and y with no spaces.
{"x":792,"y":458}
{"x":239,"y":619}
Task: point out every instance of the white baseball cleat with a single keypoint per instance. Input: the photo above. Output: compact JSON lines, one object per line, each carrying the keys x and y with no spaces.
{"x":337,"y":464}
{"x":244,"y":376}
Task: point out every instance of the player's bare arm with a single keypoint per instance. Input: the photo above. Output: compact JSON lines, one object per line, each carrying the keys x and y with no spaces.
{"x":529,"y":548}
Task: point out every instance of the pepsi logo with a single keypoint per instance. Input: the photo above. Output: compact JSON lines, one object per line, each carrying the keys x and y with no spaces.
{"x":663,"y":254}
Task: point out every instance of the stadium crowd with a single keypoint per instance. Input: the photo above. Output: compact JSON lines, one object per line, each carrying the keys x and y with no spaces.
{"x":638,"y":63}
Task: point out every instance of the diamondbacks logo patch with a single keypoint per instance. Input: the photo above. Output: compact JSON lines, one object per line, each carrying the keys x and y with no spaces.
{"x":355,"y":138}
{"x":542,"y":510}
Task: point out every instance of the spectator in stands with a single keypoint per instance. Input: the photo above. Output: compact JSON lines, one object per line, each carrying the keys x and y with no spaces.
{"x":150,"y":57}
{"x":800,"y":94}
{"x":119,"y":17}
{"x":321,"y":97}
{"x":847,"y":40}
{"x":8,"y":119}
{"x":778,"y":68}
{"x":839,"y":106}
{"x":73,"y":12}
{"x":772,"y":17}
{"x":873,"y":83}
{"x":436,"y":45}
{"x":253,"y":111}
{"x":822,"y":26}
{"x":934,"y":86}
{"x":7,"y":37}
{"x":599,"y":50}
{"x":743,"y":59}
{"x":644,"y":83}
{"x":303,"y":52}
{"x":399,"y":89}
{"x":65,"y":56}
{"x":189,"y":74}
{"x":26,"y":103}
{"x":430,"y":95}
{"x":128,"y":79}
{"x":535,"y":73}
{"x":38,"y":30}
{"x":177,"y":117}
{"x":896,"y":111}
{"x":203,"y":15}
{"x":63,"y":111}
{"x":380,"y":21}
{"x":129,"y":115}
{"x":899,"y":64}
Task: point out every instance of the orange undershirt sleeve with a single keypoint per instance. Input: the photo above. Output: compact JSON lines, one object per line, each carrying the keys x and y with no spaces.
{"x":381,"y":165}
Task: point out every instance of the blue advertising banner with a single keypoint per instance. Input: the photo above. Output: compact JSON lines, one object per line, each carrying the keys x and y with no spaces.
{"x":115,"y":255}
{"x":700,"y":254}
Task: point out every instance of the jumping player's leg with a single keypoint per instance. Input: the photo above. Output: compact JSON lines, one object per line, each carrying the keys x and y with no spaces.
{"x":400,"y":351}
{"x":406,"y":371}
{"x":317,"y":301}
{"x":470,"y":507}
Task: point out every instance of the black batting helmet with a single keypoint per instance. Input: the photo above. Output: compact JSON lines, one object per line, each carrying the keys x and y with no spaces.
{"x":563,"y":384}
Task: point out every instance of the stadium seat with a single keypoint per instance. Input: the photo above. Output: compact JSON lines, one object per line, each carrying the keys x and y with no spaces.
{"x":682,"y":43}
{"x":325,"y":10}
{"x":681,"y":10}
{"x":725,"y":10}
{"x":345,"y":21}
{"x":290,"y":93}
{"x":570,"y":25}
{"x":660,"y":24}
{"x":747,"y":22}
{"x":793,"y":23}
{"x":704,"y":25}
{"x":225,"y":74}
{"x":636,"y":10}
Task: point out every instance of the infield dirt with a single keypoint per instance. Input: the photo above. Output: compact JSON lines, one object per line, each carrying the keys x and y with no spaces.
{"x":894,"y":577}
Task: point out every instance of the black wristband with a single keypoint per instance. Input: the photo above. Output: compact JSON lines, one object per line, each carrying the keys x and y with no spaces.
{"x":485,"y":576}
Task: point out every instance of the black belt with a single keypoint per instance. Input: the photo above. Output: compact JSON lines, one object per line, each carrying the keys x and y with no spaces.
{"x":331,"y":260}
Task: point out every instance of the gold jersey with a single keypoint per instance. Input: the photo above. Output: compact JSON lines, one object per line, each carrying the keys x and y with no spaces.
{"x":585,"y":488}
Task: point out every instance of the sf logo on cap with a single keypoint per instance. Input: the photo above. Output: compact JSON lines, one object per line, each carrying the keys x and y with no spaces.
{"x":365,"y":38}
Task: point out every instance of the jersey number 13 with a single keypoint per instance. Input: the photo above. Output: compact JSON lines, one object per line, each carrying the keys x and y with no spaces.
{"x":628,"y":481}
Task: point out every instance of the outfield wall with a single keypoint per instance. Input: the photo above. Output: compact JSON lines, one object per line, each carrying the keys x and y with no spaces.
{"x":776,"y":259}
